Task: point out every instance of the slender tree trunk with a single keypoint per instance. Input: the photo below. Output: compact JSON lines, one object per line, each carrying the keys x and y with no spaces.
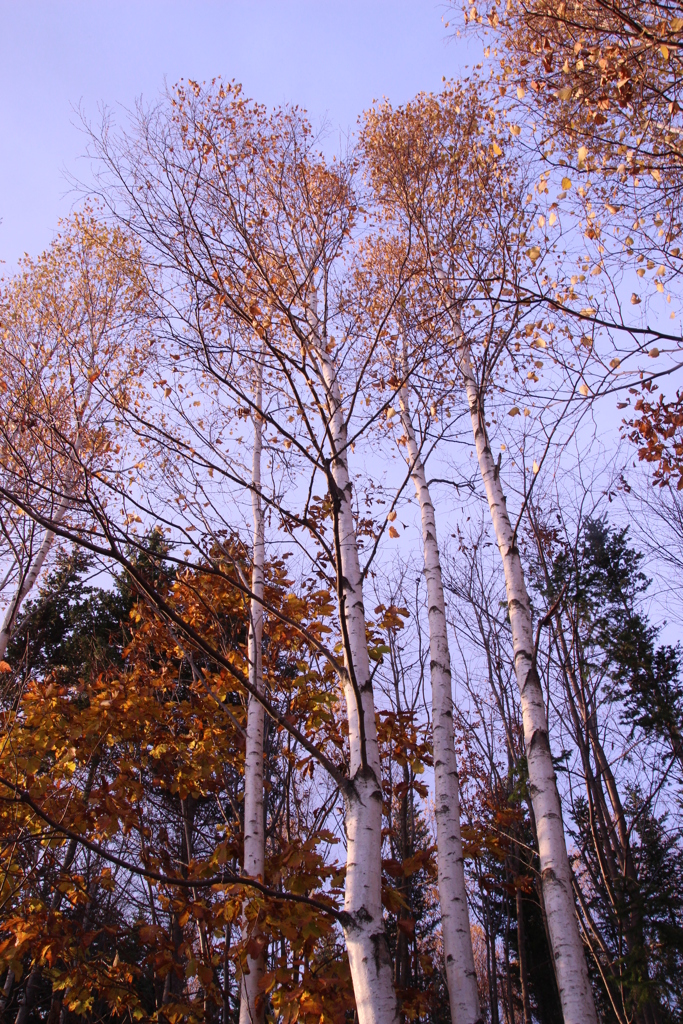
{"x":226,"y":977}
{"x":461,"y":975}
{"x":6,"y":991}
{"x":509,"y":1002}
{"x":188,"y":807}
{"x":27,"y":584}
{"x":252,"y":1003}
{"x":364,"y":931}
{"x":402,"y":973}
{"x":521,"y":950}
{"x":571,"y":969}
{"x":492,"y":962}
{"x":34,"y":977}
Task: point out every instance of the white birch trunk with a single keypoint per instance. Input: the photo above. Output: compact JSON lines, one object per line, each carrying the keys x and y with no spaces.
{"x":252,"y":1003}
{"x":364,"y":931}
{"x":461,"y":975}
{"x":27,"y":584}
{"x":576,"y":997}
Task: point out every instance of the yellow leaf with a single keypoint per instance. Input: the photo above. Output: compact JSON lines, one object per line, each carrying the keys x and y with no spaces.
{"x":552,"y":218}
{"x":393,"y":532}
{"x":583,"y":390}
{"x":497,"y":150}
{"x":4,"y":667}
{"x":612,"y":208}
{"x":514,"y":411}
{"x":653,"y":353}
{"x":515,"y":129}
{"x":167,"y":392}
{"x":614,"y":363}
{"x":660,"y":286}
{"x":564,"y":94}
{"x":391,"y":517}
{"x":533,"y":253}
{"x":536,"y":466}
{"x":520,"y":92}
{"x":635,"y":299}
{"x":582,"y":154}
{"x":566,"y":184}
{"x":664,"y":50}
{"x":656,"y":175}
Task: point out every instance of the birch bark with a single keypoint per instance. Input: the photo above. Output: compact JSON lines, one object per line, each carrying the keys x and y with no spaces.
{"x":571,"y":970}
{"x":461,"y":975}
{"x":252,"y":1004}
{"x":27,"y":584}
{"x":366,"y":942}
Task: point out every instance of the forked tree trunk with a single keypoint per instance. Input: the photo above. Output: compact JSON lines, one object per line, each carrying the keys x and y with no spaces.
{"x":252,"y":1003}
{"x":26,"y":585}
{"x":571,"y":970}
{"x":461,"y":975}
{"x":366,"y":941}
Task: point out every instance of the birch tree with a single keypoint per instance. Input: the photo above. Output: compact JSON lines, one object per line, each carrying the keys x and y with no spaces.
{"x":253,"y":227}
{"x":457,"y":195}
{"x":455,"y":924}
{"x":251,"y":1002}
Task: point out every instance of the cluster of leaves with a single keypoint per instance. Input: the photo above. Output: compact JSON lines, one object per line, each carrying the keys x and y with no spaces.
{"x":122,"y":764}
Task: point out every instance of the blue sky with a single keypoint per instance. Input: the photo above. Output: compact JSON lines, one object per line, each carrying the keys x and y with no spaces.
{"x":331,"y":57}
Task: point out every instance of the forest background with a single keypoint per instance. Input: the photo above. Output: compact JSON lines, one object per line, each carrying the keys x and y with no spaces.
{"x":341,"y":517}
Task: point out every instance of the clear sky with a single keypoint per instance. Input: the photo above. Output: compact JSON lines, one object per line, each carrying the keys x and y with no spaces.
{"x":332,"y":57}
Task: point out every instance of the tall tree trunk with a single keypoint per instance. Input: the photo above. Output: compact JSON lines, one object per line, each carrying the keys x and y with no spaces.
{"x":27,"y":583}
{"x":521,"y":950}
{"x":402,"y":973}
{"x":225,"y":1018}
{"x":492,"y":961}
{"x":576,"y":997}
{"x":461,"y":975}
{"x":252,"y":1003}
{"x":35,"y":974}
{"x":6,"y":991}
{"x":364,"y":931}
{"x":188,"y":808}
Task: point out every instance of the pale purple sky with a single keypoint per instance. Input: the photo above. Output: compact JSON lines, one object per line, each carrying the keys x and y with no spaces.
{"x":332,"y":57}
